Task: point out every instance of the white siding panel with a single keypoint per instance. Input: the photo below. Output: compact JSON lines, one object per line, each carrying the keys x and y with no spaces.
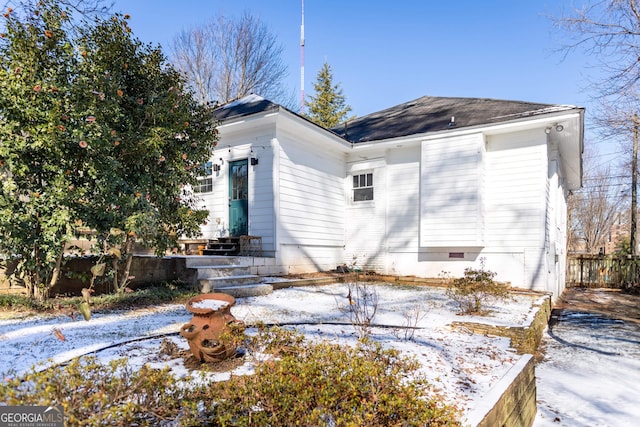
{"x":389,"y":223}
{"x":311,"y":205}
{"x":310,"y":189}
{"x":516,"y":172}
{"x":365,"y":243}
{"x":261,"y":205}
{"x":403,"y":177}
{"x":451,"y":193}
{"x":517,"y":201}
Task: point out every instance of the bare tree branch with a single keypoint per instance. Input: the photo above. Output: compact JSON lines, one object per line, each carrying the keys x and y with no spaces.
{"x":609,"y":31}
{"x":594,"y":209}
{"x":82,"y":10}
{"x":86,"y":8}
{"x":227,"y":59}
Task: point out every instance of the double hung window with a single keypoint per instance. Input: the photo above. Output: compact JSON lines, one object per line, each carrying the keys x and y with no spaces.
{"x":363,"y":187}
{"x":205,"y":180}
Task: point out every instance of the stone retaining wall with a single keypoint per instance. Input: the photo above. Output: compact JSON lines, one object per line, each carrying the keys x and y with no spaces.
{"x":144,"y":269}
{"x":525,"y":339}
{"x":512,"y":401}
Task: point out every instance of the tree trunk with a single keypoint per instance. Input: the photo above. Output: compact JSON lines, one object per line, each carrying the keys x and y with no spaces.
{"x":37,"y":279}
{"x":114,"y":266}
{"x":124,"y":279}
{"x":56,"y":269}
{"x":30,"y":288}
{"x":634,"y":185}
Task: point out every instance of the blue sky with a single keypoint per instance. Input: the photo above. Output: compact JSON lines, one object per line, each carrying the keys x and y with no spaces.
{"x":383,"y":53}
{"x":386,"y":53}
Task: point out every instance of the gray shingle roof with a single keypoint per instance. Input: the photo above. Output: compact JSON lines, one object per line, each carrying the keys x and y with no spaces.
{"x":422,"y":115}
{"x":431,"y":114}
{"x":250,"y":104}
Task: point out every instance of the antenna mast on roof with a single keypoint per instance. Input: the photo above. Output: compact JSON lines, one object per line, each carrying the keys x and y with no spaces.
{"x":302,"y":62}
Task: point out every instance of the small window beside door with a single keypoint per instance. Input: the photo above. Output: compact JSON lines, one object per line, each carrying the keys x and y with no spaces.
{"x":205,"y":180}
{"x":363,"y":187}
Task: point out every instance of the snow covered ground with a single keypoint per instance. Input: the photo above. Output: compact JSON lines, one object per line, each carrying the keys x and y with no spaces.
{"x":589,"y":377}
{"x":461,"y":366}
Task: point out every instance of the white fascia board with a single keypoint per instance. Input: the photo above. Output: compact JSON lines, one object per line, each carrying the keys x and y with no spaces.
{"x":293,"y":123}
{"x":580,"y":167}
{"x":541,"y":121}
{"x":247,"y":122}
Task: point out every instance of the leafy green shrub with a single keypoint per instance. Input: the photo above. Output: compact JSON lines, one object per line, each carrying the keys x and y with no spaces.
{"x":165,"y":293}
{"x":321,"y":383}
{"x":23,"y":302}
{"x":475,"y":289}
{"x":303,"y":383}
{"x":274,"y":340}
{"x":92,"y":393}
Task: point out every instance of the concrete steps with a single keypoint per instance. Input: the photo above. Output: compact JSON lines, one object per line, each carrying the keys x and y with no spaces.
{"x":213,"y":271}
{"x":228,"y":275}
{"x":241,"y":291}
{"x":212,"y":260}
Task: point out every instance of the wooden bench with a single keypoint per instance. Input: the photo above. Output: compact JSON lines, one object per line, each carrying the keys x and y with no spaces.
{"x":193,"y":246}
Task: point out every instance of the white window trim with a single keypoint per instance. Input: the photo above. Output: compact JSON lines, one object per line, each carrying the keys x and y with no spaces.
{"x":352,"y":189}
{"x":204,"y":178}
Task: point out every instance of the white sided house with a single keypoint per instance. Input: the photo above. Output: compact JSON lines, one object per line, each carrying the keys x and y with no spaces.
{"x":426,"y":187}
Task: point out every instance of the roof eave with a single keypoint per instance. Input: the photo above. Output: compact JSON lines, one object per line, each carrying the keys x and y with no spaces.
{"x":487,"y":128}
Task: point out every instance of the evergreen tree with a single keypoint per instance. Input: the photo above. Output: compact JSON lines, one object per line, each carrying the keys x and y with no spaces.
{"x":96,"y":132}
{"x":328,"y":107}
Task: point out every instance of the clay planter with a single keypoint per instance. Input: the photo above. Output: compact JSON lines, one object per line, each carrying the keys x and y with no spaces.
{"x":207,"y":330}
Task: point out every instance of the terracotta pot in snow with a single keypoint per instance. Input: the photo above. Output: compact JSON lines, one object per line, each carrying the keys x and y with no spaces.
{"x":208,"y":332}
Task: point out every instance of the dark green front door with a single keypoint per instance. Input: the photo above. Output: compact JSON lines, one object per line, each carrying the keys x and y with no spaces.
{"x":238,"y":198}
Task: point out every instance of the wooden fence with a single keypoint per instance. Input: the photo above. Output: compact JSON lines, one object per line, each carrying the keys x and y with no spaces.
{"x":599,"y":271}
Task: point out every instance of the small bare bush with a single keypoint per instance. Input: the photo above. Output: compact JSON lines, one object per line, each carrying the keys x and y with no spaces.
{"x":412,"y":317}
{"x":363,"y":305}
{"x":475,"y":289}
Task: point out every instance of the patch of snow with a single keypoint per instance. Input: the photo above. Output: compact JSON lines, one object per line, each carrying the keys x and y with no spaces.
{"x":213,"y":304}
{"x":32,"y":341}
{"x":590,"y":375}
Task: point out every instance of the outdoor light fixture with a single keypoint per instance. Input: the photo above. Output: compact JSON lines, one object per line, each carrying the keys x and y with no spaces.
{"x":559,"y":128}
{"x":254,"y":161}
